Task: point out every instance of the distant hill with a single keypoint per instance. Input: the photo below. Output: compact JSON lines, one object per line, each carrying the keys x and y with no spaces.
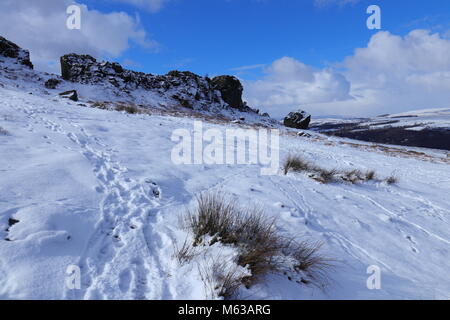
{"x":429,"y":128}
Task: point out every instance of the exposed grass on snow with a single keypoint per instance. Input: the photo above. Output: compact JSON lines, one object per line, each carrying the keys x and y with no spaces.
{"x":100,"y":105}
{"x":129,"y":108}
{"x":185,"y":253}
{"x":221,"y":278}
{"x":4,"y":132}
{"x":391,"y":180}
{"x":261,"y":249}
{"x":295,"y":163}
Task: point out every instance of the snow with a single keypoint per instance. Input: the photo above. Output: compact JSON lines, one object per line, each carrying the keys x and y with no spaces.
{"x":437,"y":118}
{"x":97,"y":189}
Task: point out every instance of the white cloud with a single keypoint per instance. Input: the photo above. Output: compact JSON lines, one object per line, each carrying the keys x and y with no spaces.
{"x":40,"y":26}
{"x":251,"y":67}
{"x":396,"y":73}
{"x":391,"y":74}
{"x":290,"y":84}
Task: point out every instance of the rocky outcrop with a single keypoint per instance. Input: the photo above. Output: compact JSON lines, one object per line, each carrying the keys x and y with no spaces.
{"x":9,"y":49}
{"x":298,"y":120}
{"x":176,"y":89}
{"x":184,"y":88}
{"x":231,"y":90}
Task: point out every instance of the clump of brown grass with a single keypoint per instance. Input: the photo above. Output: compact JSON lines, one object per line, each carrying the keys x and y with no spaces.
{"x":353,"y":176}
{"x":185,"y":253}
{"x":220,"y":277}
{"x":261,"y":249}
{"x":297,"y":164}
{"x":391,"y":180}
{"x":129,"y":108}
{"x":324,"y":175}
{"x":100,"y":105}
{"x":308,"y":265}
{"x":370,"y":175}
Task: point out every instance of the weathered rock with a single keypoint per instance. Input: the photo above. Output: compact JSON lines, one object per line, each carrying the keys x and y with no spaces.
{"x":76,"y":67}
{"x":52,"y":83}
{"x":117,"y":67}
{"x":11,"y":50}
{"x":231,"y":89}
{"x":71,"y":94}
{"x":298,"y":120}
{"x":181,"y":88}
{"x":184,"y":88}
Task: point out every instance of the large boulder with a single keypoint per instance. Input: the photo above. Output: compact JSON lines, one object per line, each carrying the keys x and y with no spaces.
{"x":298,"y":120}
{"x":231,"y":89}
{"x":71,"y":94}
{"x":9,"y":49}
{"x":77,"y":68}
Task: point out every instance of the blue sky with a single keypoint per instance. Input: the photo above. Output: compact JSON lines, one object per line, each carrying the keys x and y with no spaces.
{"x":316,"y":55}
{"x":217,"y":36}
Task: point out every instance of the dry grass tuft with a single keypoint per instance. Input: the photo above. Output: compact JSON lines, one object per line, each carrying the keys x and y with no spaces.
{"x":185,"y":253}
{"x":129,"y":108}
{"x":297,"y":164}
{"x":261,"y":249}
{"x":370,"y":175}
{"x":220,"y":277}
{"x":391,"y":180}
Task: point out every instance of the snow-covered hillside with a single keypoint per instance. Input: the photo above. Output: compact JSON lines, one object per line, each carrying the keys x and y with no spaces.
{"x":421,"y":128}
{"x":84,"y":187}
{"x":97,"y":189}
{"x":414,"y":120}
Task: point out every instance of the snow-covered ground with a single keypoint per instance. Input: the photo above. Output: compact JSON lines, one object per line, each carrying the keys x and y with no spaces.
{"x":97,"y":189}
{"x":438,"y":118}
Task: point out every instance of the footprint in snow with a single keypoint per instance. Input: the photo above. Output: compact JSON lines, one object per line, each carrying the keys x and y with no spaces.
{"x":279,"y":205}
{"x":411,"y":239}
{"x":125,"y":279}
{"x":154,"y":187}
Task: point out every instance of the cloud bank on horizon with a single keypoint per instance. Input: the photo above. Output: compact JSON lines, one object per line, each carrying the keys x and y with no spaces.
{"x":391,"y":74}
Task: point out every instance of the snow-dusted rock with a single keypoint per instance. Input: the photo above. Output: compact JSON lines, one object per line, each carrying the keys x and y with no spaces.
{"x":96,"y":81}
{"x":298,"y":120}
{"x":231,"y":90}
{"x":9,"y":49}
{"x":184,"y":88}
{"x":71,"y":94}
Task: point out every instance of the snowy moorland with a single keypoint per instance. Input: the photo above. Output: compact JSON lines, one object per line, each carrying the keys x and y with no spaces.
{"x":98,"y":189}
{"x":421,"y":128}
{"x":414,"y":120}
